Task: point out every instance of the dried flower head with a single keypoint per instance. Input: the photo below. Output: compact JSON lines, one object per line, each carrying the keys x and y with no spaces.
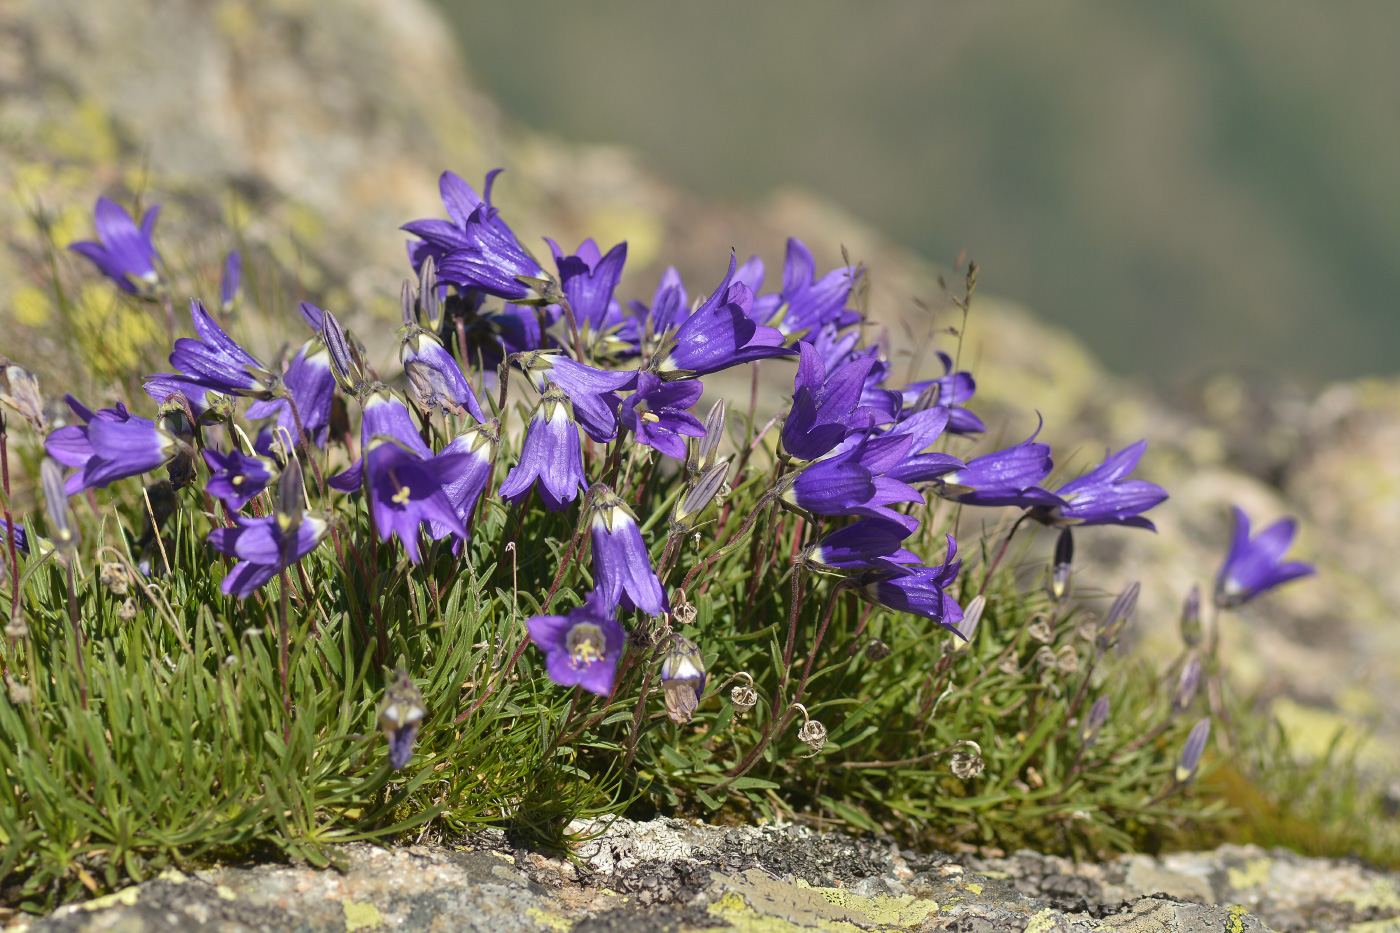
{"x":114,"y":577}
{"x":128,"y":609}
{"x":1045,"y":657}
{"x":1009,"y":666}
{"x":967,"y":765}
{"x":813,"y":735}
{"x":876,"y":650}
{"x":1067,"y":660}
{"x":19,"y":392}
{"x":1040,"y":631}
{"x":19,"y":691}
{"x":743,"y":696}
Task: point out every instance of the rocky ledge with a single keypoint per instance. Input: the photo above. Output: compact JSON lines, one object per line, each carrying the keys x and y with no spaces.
{"x":672,"y":875}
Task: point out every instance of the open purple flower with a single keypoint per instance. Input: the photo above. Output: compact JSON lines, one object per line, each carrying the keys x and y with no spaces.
{"x":658,"y":413}
{"x":825,"y":409}
{"x":592,"y":391}
{"x":217,"y":362}
{"x":406,"y":490}
{"x":954,"y":391}
{"x":669,"y":306}
{"x":588,"y":280}
{"x":720,"y":334}
{"x":264,"y":548}
{"x":581,"y":648}
{"x":807,"y":303}
{"x":1105,"y":496}
{"x":921,"y":465}
{"x":1004,"y":477}
{"x":231,"y":281}
{"x":440,"y":237}
{"x":1257,"y":564}
{"x":551,"y":453}
{"x":920,"y":590}
{"x":866,"y":543}
{"x":621,"y":565}
{"x":383,"y":414}
{"x":112,"y":445}
{"x":125,"y":254}
{"x":236,"y":477}
{"x":479,"y":251}
{"x":851,"y":482}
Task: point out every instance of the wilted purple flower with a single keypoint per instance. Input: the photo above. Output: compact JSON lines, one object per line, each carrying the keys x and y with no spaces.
{"x":851,"y":483}
{"x":126,"y":254}
{"x":1256,"y":565}
{"x":658,"y":413}
{"x":435,"y":377}
{"x":682,"y":679}
{"x":217,"y":362}
{"x":920,"y":464}
{"x":236,"y":477}
{"x":669,"y":306}
{"x":401,"y":715}
{"x":919,"y":590}
{"x":866,"y":543}
{"x":825,"y":409}
{"x":1105,"y":496}
{"x":112,"y":445}
{"x":232,"y":280}
{"x":208,"y":405}
{"x":264,"y":548}
{"x":1005,"y":477}
{"x":464,"y":484}
{"x":592,"y":391}
{"x":1191,"y":751}
{"x":621,"y":565}
{"x":720,"y":334}
{"x":581,"y":648}
{"x":406,"y":490}
{"x":551,"y":453}
{"x":954,"y":391}
{"x":588,"y":280}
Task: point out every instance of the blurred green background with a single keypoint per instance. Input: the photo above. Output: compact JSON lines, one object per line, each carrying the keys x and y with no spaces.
{"x":1189,"y":186}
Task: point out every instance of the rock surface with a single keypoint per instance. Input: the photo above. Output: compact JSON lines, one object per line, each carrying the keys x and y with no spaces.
{"x":670,"y":875}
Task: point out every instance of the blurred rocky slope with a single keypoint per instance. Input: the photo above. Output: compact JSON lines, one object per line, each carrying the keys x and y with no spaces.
{"x":306,"y":132}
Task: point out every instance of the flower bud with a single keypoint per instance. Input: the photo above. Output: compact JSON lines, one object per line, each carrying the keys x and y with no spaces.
{"x":345,"y":356}
{"x":1118,"y":616}
{"x":967,"y":626}
{"x":687,"y":510}
{"x":1191,"y":751}
{"x":703,"y":449}
{"x":1187,"y":684}
{"x":61,"y":528}
{"x":400,"y":716}
{"x":682,"y":679}
{"x":1098,"y":715}
{"x":1063,"y":563}
{"x":1191,"y":631}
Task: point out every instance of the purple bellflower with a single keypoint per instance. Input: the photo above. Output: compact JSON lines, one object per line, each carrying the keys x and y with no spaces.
{"x":436,"y":379}
{"x":463,"y":485}
{"x":825,"y":409}
{"x":1105,"y":496}
{"x":310,"y":382}
{"x":919,"y":590}
{"x":658,"y":414}
{"x":720,"y":334}
{"x":264,"y":547}
{"x":383,"y":414}
{"x":217,"y":362}
{"x":852,"y":482}
{"x":112,"y":445}
{"x":401,"y":716}
{"x":669,"y":306}
{"x":235,"y":477}
{"x":481,"y":252}
{"x":621,"y":566}
{"x":581,"y":648}
{"x":231,"y":282}
{"x":865,"y":544}
{"x":807,"y":303}
{"x":1257,"y":564}
{"x":1004,"y":477}
{"x":921,"y":465}
{"x":588,"y":280}
{"x":551,"y":453}
{"x":593,"y":392}
{"x":406,"y":490}
{"x":125,"y":254}
{"x":440,"y":237}
{"x":955,"y":389}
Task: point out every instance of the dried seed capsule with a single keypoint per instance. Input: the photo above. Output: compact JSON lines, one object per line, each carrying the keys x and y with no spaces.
{"x":1040,"y":631}
{"x":967,"y":765}
{"x":813,"y":735}
{"x":877,"y":650}
{"x":1067,"y":660}
{"x":743,"y":696}
{"x":1044,"y":657}
{"x":128,"y":609}
{"x":113,"y":576}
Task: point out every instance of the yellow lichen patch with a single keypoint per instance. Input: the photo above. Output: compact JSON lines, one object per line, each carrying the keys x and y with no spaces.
{"x":225,"y":892}
{"x":126,"y":896}
{"x":1255,"y":874}
{"x":84,"y":134}
{"x":112,"y":336}
{"x":1041,"y":922}
{"x":1236,"y":922}
{"x":553,"y":921}
{"x":1380,"y":896}
{"x":361,"y":916}
{"x":31,"y":306}
{"x":974,"y":888}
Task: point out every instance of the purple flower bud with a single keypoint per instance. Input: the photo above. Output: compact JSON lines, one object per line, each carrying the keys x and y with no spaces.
{"x":622,"y":570}
{"x":1191,"y":630}
{"x":1186,"y":685}
{"x":581,"y":648}
{"x":1255,"y":565}
{"x":1098,"y":715}
{"x":702,"y":492}
{"x":705,"y":448}
{"x":1119,"y":614}
{"x":1062,"y":565}
{"x":231,"y":281}
{"x":126,"y":254}
{"x":1191,"y":751}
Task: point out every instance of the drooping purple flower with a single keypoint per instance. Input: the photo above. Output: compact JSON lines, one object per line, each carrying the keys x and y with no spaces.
{"x":921,"y":465}
{"x":683,"y":679}
{"x":920,"y":590}
{"x":236,"y":477}
{"x":658,"y":414}
{"x":264,"y":548}
{"x":440,"y":237}
{"x":621,"y":566}
{"x":232,"y":280}
{"x":310,"y":381}
{"x":1004,"y":477}
{"x":435,"y":377}
{"x":588,"y":280}
{"x":852,"y":482}
{"x":208,"y":405}
{"x":464,"y":484}
{"x":401,"y":715}
{"x":383,"y":413}
{"x":1257,"y":564}
{"x":113,"y":444}
{"x":955,"y":389}
{"x":581,"y":648}
{"x":406,"y":491}
{"x":592,"y":391}
{"x":720,"y":334}
{"x":825,"y":409}
{"x":125,"y":254}
{"x":866,"y":543}
{"x":217,"y":362}
{"x":551,"y":453}
{"x":1105,"y":496}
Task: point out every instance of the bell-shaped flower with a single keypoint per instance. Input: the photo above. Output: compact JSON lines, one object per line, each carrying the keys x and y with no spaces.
{"x":718,"y":335}
{"x":621,"y":565}
{"x":851,"y":482}
{"x":658,"y":414}
{"x":581,"y":648}
{"x":208,"y":405}
{"x":921,"y":465}
{"x":919,"y":590}
{"x":125,"y":254}
{"x":266,"y":546}
{"x":464,"y":484}
{"x":669,"y":306}
{"x":481,"y":252}
{"x":825,"y":409}
{"x":1257,"y":564}
{"x":1105,"y":495}
{"x":807,"y":303}
{"x":401,"y":715}
{"x":406,"y":491}
{"x":862,"y":545}
{"x":551,"y":453}
{"x":1004,"y":477}
{"x":440,"y":237}
{"x":436,"y":379}
{"x":683,"y":679}
{"x":955,"y":389}
{"x":383,"y":413}
{"x":592,"y":391}
{"x":236,"y":477}
{"x":217,"y":362}
{"x":112,"y":445}
{"x":310,"y":381}
{"x":588,"y":279}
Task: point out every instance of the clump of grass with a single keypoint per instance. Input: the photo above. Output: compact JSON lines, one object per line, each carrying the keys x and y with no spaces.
{"x":164,"y":727}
